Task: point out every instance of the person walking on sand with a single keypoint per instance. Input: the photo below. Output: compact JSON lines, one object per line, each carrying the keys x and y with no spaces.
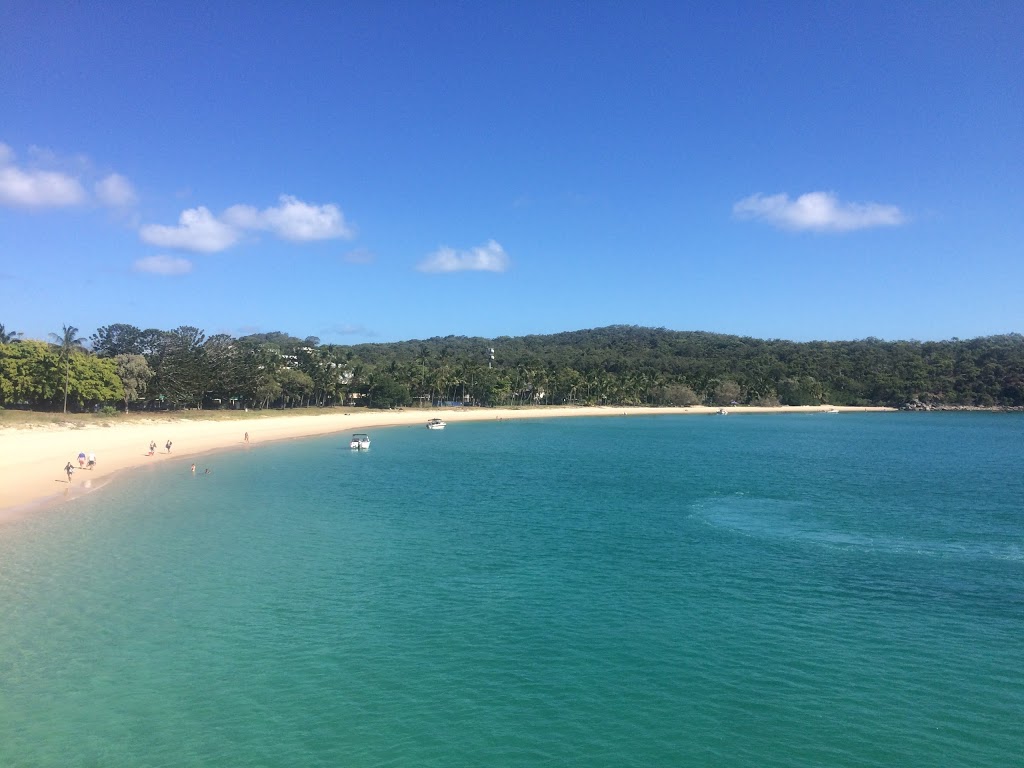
{"x":70,"y":470}
{"x":81,"y":459}
{"x":168,"y":446}
{"x":92,"y":460}
{"x":152,"y":447}
{"x":247,"y":437}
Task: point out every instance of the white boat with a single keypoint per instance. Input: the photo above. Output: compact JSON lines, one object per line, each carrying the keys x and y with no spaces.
{"x":359,"y":442}
{"x":722,"y":412}
{"x":436,"y":424}
{"x":832,"y":410}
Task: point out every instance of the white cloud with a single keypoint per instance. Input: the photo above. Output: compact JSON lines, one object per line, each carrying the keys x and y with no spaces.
{"x":36,"y":188}
{"x":163,"y":265}
{"x":116,"y":191}
{"x":51,"y":181}
{"x":820,"y":211}
{"x":200,"y":230}
{"x":490,"y":257}
{"x":197,"y":230}
{"x":292,"y":220}
{"x":243,"y":217}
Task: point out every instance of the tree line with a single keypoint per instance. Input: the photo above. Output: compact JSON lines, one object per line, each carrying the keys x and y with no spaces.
{"x":131,"y":368}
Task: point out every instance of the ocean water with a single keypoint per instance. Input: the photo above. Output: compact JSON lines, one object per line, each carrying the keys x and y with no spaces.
{"x":779,"y":590}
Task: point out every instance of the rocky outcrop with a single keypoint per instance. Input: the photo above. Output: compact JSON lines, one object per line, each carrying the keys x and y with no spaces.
{"x":918,"y":405}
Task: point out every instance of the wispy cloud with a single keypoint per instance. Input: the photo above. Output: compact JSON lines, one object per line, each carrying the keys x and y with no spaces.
{"x":36,"y":187}
{"x":360,"y":256}
{"x":817,"y":211}
{"x":163,"y":265}
{"x":347,"y":329}
{"x":51,"y":181}
{"x":292,"y":220}
{"x":200,"y":231}
{"x":490,"y":257}
{"x":115,"y":191}
{"x":39,"y":189}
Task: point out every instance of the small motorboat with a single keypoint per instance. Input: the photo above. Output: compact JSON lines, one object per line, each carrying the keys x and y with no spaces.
{"x":436,"y":424}
{"x":359,"y":442}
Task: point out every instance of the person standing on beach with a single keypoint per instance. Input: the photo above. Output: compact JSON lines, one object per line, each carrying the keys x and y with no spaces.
{"x":92,"y":460}
{"x":70,"y":470}
{"x":247,"y":437}
{"x":152,"y":447}
{"x":168,"y":446}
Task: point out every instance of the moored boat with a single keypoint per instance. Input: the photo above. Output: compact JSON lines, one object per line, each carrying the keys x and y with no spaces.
{"x":359,"y":442}
{"x":436,"y":424}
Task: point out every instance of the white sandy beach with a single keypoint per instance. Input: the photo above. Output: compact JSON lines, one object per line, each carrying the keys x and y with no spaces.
{"x":32,"y":471}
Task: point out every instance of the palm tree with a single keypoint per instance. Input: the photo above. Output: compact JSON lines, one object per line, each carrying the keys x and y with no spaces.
{"x":69,"y":342}
{"x":8,"y":337}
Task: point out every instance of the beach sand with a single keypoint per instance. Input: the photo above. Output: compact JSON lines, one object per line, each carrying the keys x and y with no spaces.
{"x":32,"y":469}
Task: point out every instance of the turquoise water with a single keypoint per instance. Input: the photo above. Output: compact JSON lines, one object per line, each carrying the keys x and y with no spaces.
{"x":799,"y":590}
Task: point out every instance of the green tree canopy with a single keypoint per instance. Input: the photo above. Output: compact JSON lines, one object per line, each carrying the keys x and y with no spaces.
{"x":135,"y":375}
{"x":386,"y":391}
{"x":117,"y":339}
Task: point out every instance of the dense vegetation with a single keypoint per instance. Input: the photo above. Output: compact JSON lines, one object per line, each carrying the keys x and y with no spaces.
{"x":621,"y":365}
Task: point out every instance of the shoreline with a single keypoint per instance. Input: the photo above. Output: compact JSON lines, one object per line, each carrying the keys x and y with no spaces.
{"x":32,"y":475}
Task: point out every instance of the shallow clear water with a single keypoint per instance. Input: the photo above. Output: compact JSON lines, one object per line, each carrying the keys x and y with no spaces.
{"x":797,"y":590}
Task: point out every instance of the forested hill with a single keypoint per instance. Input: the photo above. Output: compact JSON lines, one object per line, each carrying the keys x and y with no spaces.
{"x":635,"y":364}
{"x":622,"y":365}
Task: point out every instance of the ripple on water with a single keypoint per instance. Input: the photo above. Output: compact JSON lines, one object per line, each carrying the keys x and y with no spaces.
{"x":807,"y":523}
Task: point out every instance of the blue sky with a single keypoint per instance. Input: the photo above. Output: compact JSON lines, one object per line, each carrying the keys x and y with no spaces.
{"x":399,"y":170}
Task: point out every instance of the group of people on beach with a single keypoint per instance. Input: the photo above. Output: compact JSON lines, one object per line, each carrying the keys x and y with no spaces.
{"x":84,"y":462}
{"x":89,"y":462}
{"x":152,"y":447}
